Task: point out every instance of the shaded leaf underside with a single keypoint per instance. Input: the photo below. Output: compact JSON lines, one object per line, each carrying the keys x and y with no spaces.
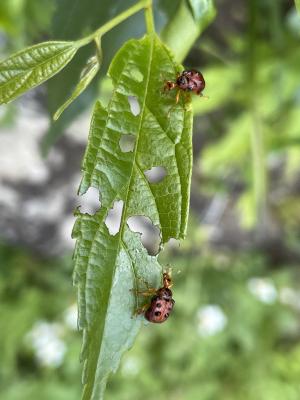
{"x":106,"y":266}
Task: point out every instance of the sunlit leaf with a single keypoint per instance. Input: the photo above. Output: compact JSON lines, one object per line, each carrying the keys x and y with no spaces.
{"x":106,"y":266}
{"x":87,"y":76}
{"x":33,"y":66}
{"x":297,"y":3}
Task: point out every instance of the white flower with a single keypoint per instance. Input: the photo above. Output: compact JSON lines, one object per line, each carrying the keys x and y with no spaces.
{"x":131,"y":366}
{"x":263,"y":289}
{"x":48,"y":348}
{"x":211,"y":320}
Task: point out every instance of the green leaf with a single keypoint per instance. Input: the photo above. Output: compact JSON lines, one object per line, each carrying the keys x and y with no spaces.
{"x":87,"y":75}
{"x":223,"y":81}
{"x":32,"y":66}
{"x":106,"y":271}
{"x":297,"y":3}
{"x":72,"y":20}
{"x":106,"y":266}
{"x":232,"y":150}
{"x":203,"y":10}
{"x":184,"y":28}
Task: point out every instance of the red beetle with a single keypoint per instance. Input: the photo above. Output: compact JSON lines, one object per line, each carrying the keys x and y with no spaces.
{"x":161,"y":303}
{"x":187,"y":81}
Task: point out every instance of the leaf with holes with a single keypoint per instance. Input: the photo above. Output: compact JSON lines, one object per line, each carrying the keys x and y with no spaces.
{"x":107,"y":266}
{"x":33,"y":66}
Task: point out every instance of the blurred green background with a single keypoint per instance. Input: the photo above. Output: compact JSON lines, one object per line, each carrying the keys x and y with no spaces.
{"x":235,"y":331}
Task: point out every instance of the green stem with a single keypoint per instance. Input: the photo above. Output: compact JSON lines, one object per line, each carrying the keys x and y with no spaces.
{"x":113,"y":22}
{"x":149,"y":18}
{"x":98,"y":50}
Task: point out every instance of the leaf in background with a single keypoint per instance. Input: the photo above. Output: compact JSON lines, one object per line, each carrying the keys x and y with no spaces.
{"x":33,"y":66}
{"x":297,"y":3}
{"x":231,"y":150}
{"x":223,"y":81}
{"x":183,"y":29}
{"x":106,"y":266}
{"x":88,"y":73}
{"x":202,"y":10}
{"x":168,"y":7}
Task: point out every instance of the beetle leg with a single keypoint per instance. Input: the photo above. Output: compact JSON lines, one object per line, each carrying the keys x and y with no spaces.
{"x":169,"y":85}
{"x":144,"y":281}
{"x":187,"y":97}
{"x":147,"y":293}
{"x":141,"y":310}
{"x":204,"y":97}
{"x":177,"y":96}
{"x":166,"y":86}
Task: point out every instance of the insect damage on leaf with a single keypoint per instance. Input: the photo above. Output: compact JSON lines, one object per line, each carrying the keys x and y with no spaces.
{"x":108,"y":266}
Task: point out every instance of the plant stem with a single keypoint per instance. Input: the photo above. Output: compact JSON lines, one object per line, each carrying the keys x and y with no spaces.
{"x":149,"y":18}
{"x":99,"y":50}
{"x":113,"y":22}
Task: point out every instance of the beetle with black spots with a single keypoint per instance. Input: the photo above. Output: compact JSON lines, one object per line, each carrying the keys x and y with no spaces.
{"x":162,"y":302}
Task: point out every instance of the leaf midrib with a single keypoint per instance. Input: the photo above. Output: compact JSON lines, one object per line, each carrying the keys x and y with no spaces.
{"x":30,"y":71}
{"x":124,"y":213}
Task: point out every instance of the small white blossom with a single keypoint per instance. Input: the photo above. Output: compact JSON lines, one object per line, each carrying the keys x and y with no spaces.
{"x":131,"y":366}
{"x":45,"y":340}
{"x":263,"y":289}
{"x":211,"y":320}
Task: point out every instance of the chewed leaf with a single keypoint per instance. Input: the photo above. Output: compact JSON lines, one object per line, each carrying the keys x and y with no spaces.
{"x":163,"y":137}
{"x":32,"y":66}
{"x":107,"y":268}
{"x":108,"y":265}
{"x":86,"y":77}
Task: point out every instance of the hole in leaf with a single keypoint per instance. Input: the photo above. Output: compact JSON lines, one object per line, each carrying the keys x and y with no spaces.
{"x":90,"y":201}
{"x":127,"y":143}
{"x":113,"y":219}
{"x":155,"y":174}
{"x":150,"y":234}
{"x":134,"y":105}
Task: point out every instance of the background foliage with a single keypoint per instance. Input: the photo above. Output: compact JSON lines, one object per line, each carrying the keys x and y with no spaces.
{"x":235,"y":329}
